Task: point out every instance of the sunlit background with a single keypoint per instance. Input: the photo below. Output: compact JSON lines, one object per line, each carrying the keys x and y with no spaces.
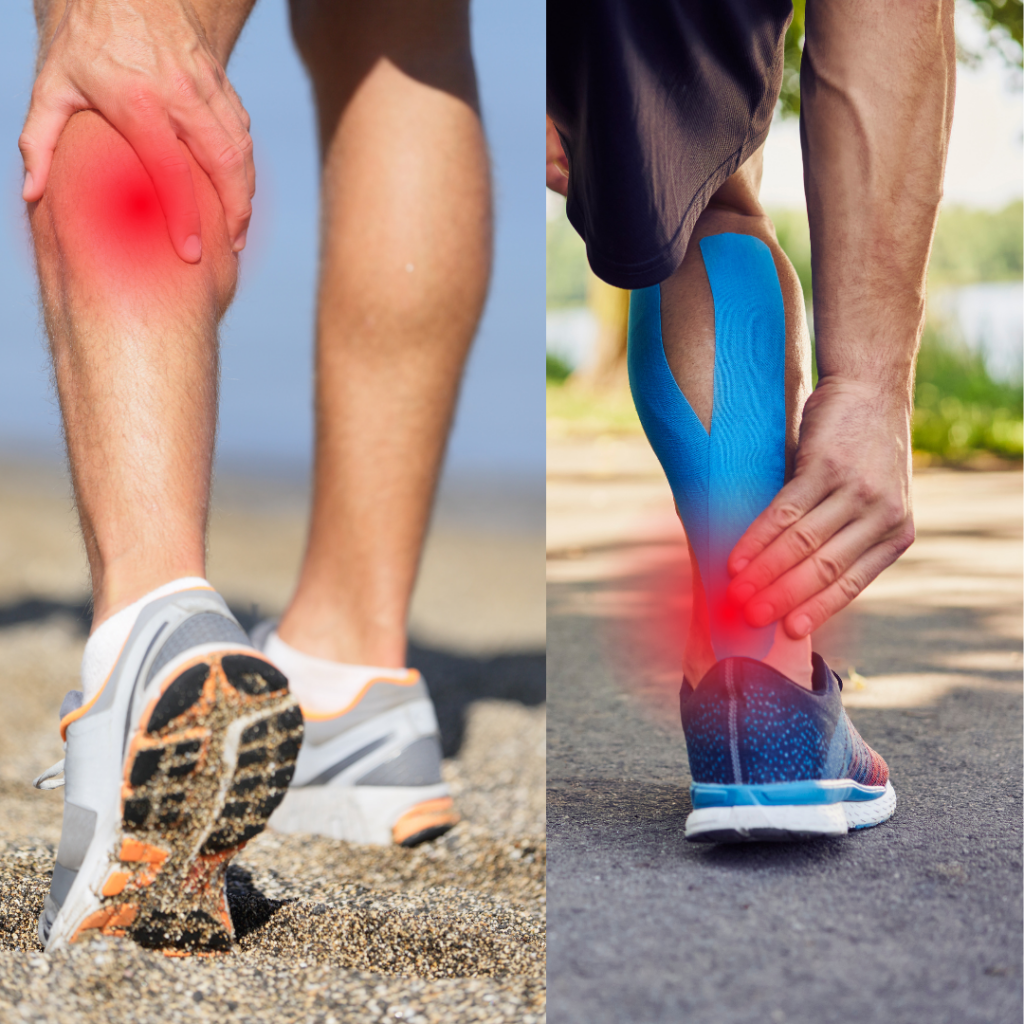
{"x":266,"y":422}
{"x":969,"y":373}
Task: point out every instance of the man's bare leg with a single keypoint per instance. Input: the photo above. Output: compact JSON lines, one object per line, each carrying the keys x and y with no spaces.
{"x":133,"y":332}
{"x":688,"y":328}
{"x":405,"y":263}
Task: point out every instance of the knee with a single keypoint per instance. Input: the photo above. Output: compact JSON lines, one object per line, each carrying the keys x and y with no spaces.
{"x":101,"y":219}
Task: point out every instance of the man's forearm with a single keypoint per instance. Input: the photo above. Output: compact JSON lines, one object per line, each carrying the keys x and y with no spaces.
{"x":877,"y":87}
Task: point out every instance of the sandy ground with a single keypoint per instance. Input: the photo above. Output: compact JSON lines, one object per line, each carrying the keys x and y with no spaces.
{"x":918,"y":919}
{"x":453,"y":930}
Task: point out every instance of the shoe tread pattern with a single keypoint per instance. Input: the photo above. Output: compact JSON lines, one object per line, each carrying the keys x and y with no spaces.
{"x":182,"y":820}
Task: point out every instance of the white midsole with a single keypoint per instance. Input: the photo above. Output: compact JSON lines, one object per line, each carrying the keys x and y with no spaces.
{"x":806,"y":819}
{"x":359,"y":814}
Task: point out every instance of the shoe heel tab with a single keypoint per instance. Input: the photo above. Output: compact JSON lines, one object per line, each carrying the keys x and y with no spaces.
{"x":822,"y":675}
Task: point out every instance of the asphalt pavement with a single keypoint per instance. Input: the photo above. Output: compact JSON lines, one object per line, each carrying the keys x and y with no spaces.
{"x":917,"y":920}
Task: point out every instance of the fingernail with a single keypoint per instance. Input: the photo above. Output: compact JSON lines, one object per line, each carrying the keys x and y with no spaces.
{"x":738,"y":567}
{"x":761,"y":614}
{"x":240,"y":241}
{"x":29,"y":183}
{"x":743,"y":592}
{"x":802,"y":625}
{"x":192,"y":249}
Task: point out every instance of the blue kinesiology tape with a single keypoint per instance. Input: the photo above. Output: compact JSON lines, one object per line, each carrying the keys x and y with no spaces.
{"x":722,"y":480}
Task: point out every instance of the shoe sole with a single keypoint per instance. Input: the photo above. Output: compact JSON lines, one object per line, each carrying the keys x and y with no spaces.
{"x":210,"y":760}
{"x":758,"y":823}
{"x":375,"y":815}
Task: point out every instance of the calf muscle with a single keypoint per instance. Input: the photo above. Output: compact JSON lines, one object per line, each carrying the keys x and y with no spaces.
{"x":133,"y":335}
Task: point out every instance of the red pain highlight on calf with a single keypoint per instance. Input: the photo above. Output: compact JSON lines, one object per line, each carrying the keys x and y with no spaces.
{"x":124,"y":214}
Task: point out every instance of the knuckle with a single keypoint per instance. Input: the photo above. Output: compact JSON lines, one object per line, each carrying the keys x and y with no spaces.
{"x":231,"y":159}
{"x":786,"y":514}
{"x":802,"y":540}
{"x":185,"y":87}
{"x":849,"y":587}
{"x":141,"y":101}
{"x":894,"y":513}
{"x":903,"y":539}
{"x":833,"y":470}
{"x":826,"y":567}
{"x":866,"y":491}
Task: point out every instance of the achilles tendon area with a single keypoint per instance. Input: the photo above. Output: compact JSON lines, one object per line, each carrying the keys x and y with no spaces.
{"x":723,"y":479}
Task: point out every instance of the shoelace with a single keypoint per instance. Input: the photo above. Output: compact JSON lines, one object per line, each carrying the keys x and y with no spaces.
{"x":49,"y":780}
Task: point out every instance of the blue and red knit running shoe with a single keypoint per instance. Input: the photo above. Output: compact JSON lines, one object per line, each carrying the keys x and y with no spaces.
{"x":772,"y":760}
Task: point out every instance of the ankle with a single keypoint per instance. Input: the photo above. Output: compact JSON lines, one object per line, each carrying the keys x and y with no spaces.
{"x":791,"y":657}
{"x":336,"y":636}
{"x":114,"y":591}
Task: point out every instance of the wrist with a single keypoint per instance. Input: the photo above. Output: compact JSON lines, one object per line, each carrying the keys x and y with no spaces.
{"x":874,"y":392}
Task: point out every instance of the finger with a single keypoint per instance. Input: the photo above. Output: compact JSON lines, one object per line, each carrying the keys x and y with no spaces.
{"x":226,"y":159}
{"x":799,"y":542}
{"x":45,"y":121}
{"x":811,"y":614}
{"x":815,"y":573}
{"x":236,"y":101}
{"x":227,"y":109}
{"x":557,"y":180}
{"x":157,"y":146}
{"x":788,"y":507}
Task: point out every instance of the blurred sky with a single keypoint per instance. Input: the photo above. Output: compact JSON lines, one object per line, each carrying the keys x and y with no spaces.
{"x":265,"y":419}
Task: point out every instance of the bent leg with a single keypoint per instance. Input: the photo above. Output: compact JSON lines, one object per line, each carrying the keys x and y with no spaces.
{"x":133,"y":335}
{"x":688,"y":333}
{"x":404,"y":270}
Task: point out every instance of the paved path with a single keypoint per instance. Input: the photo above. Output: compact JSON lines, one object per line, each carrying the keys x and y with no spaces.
{"x":918,"y":920}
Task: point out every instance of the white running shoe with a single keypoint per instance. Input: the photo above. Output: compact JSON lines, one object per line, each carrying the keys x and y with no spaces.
{"x":177,"y":762}
{"x":370,"y":772}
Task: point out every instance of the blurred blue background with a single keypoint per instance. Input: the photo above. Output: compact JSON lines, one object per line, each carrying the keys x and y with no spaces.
{"x":266,"y":418}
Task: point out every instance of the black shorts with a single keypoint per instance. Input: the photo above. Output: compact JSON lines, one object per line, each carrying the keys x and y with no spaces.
{"x":657,"y":103}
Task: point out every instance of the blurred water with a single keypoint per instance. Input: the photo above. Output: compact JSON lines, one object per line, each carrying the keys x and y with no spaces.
{"x":571,"y":334}
{"x":990,"y":319}
{"x":266,"y":419}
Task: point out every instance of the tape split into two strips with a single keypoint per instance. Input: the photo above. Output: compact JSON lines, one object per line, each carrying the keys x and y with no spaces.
{"x":722,"y":480}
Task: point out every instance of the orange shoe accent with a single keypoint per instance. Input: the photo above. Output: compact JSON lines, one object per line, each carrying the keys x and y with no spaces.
{"x":115,"y":883}
{"x":73,"y":716}
{"x":97,"y":919}
{"x":133,"y":851}
{"x":411,"y":678}
{"x":122,"y":916}
{"x":429,"y":814}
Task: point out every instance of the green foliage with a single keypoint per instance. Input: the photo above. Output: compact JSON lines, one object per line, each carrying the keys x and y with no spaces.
{"x":978,"y":245}
{"x":582,"y":411}
{"x":789,"y":98}
{"x":958,"y":407}
{"x":567,"y":265}
{"x":794,"y":236}
{"x":970,"y":245}
{"x":1003,"y":21}
{"x":558,"y":369}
